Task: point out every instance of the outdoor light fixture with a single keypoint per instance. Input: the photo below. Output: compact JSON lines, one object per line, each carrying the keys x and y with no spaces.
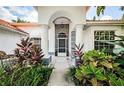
{"x":62,"y":25}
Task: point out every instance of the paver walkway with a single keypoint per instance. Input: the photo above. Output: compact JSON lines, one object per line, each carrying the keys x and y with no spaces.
{"x":61,"y":66}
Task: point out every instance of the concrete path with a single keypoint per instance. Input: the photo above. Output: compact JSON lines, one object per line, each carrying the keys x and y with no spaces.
{"x":61,"y":66}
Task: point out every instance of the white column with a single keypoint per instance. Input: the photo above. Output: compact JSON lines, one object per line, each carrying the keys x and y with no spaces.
{"x":79,"y":34}
{"x":44,"y":39}
{"x":52,"y":38}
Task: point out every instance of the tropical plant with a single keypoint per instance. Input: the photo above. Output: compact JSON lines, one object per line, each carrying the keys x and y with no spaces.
{"x":23,"y":52}
{"x":100,"y":9}
{"x":29,"y":70}
{"x":98,"y":68}
{"x":119,"y":51}
{"x":78,"y":53}
{"x":28,"y":76}
{"x":36,"y":55}
{"x":28,"y":53}
{"x":90,"y":75}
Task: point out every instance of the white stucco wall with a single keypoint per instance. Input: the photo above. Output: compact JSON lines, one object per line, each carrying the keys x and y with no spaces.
{"x":88,"y":37}
{"x":39,"y":31}
{"x":47,"y":14}
{"x":8,"y":41}
{"x":34,"y":31}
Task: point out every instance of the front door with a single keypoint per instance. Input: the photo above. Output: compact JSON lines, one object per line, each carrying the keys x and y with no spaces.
{"x":62,"y":47}
{"x":61,"y":39}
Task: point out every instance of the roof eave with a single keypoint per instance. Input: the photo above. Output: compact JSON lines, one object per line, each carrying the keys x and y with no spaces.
{"x":13,"y":30}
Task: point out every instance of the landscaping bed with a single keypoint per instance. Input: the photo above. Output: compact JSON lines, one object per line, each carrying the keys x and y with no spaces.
{"x":97,"y":69}
{"x":29,"y":76}
{"x":26,"y":68}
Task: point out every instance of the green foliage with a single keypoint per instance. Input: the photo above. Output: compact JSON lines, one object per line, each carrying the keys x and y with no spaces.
{"x":98,"y":69}
{"x":90,"y":75}
{"x":119,"y":52}
{"x":29,"y":76}
{"x":29,"y":70}
{"x":100,"y":9}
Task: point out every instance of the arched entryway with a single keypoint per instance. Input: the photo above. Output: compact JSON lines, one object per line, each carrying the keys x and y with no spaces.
{"x":61,"y":36}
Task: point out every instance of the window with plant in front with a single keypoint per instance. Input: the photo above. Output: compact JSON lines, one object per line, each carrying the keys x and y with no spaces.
{"x":100,"y":37}
{"x":36,"y":41}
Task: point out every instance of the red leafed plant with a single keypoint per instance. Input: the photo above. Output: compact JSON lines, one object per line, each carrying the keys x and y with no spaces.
{"x":36,"y":55}
{"x":28,"y":52}
{"x":78,"y":52}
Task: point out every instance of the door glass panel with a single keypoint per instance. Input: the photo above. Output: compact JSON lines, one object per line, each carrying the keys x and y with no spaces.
{"x":61,"y":42}
{"x":61,"y":50}
{"x":62,"y":45}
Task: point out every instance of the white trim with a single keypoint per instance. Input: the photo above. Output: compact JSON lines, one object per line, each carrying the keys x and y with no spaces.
{"x":12,"y":30}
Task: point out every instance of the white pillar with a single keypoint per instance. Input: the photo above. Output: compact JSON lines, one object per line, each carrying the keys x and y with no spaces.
{"x":44,"y":39}
{"x":52,"y":38}
{"x":79,"y":34}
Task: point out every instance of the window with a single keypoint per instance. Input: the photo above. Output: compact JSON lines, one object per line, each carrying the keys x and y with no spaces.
{"x":103,"y":36}
{"x":62,"y":35}
{"x":73,"y":37}
{"x":36,"y":41}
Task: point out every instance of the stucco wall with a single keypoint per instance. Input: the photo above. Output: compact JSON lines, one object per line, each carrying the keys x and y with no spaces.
{"x":47,"y":14}
{"x":88,"y":37}
{"x":34,"y":31}
{"x":8,"y":41}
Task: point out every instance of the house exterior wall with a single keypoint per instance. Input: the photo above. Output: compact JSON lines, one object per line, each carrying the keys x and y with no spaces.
{"x":34,"y":31}
{"x":39,"y":31}
{"x":8,"y":41}
{"x":88,"y":37}
{"x":47,"y":14}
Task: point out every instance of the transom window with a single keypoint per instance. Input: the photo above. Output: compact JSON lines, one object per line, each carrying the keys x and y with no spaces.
{"x":62,"y":35}
{"x":36,"y":41}
{"x":100,"y":36}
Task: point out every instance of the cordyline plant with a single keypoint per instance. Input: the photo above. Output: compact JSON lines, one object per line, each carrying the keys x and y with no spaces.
{"x":78,"y":53}
{"x":27,"y":52}
{"x":36,"y":55}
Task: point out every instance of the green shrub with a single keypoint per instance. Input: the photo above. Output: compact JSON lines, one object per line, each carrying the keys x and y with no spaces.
{"x":98,"y":69}
{"x":29,"y":76}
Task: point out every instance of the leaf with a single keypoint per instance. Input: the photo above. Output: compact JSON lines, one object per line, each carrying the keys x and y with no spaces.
{"x":121,"y":37}
{"x":120,"y":82}
{"x":116,"y":64}
{"x":100,"y":9}
{"x":92,"y":67}
{"x":94,"y":81}
{"x":107,"y":64}
{"x":99,"y":74}
{"x":118,"y":50}
{"x":78,"y":74}
{"x":95,"y":63}
{"x":20,"y":45}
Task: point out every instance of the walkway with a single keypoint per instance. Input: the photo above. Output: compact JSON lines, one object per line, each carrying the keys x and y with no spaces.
{"x":61,"y":66}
